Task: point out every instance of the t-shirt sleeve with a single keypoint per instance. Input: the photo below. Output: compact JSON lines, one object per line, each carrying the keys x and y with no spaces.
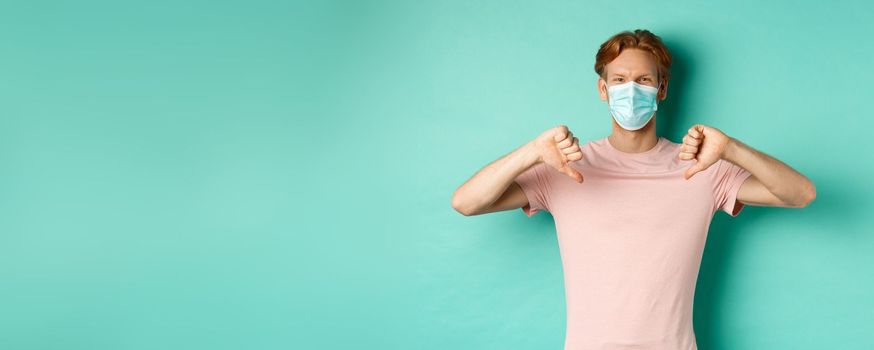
{"x":729,"y":178}
{"x":535,"y":182}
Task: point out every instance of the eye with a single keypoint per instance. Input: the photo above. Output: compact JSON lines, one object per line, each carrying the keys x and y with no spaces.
{"x":617,"y":79}
{"x":645,"y":78}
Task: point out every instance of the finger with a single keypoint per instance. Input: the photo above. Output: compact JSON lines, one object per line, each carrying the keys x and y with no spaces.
{"x":573,"y":141}
{"x":687,"y":148}
{"x":566,"y":142}
{"x":572,"y":173}
{"x":686,"y":156}
{"x":696,"y":131}
{"x":689,"y":140}
{"x":574,"y":156}
{"x":695,"y":168}
{"x":568,"y":150}
{"x":560,"y":133}
{"x":689,"y":152}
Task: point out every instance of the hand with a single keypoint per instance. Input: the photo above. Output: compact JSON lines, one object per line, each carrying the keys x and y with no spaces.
{"x":557,"y":147}
{"x":704,"y":144}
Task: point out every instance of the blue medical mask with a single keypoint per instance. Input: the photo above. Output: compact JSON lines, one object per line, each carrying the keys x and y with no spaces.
{"x":632,"y":104}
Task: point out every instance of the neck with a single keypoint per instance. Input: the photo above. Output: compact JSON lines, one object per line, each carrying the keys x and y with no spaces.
{"x":636,"y":141}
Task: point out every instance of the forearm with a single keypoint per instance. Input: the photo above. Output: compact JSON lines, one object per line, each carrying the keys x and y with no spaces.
{"x":488,"y":184}
{"x":780,"y":179}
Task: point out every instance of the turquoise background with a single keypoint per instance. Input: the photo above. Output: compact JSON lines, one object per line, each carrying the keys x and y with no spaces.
{"x":278,"y":175}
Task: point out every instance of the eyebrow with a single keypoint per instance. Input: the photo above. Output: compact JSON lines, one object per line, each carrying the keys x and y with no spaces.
{"x":623,"y":75}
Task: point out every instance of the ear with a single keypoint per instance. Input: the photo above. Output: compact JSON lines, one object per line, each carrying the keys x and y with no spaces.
{"x":663,"y":90}
{"x":602,"y":88}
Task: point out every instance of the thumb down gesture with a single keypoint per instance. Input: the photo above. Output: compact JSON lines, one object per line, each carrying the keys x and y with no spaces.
{"x":705,"y":145}
{"x":557,"y":147}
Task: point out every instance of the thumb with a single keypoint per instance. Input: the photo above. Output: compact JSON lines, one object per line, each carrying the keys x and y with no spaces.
{"x":573,"y":173}
{"x":698,"y":166}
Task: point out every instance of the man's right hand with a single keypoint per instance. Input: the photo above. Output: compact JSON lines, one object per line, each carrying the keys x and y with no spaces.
{"x":557,"y":147}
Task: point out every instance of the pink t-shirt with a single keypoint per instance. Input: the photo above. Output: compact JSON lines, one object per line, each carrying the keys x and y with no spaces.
{"x":631,"y":238}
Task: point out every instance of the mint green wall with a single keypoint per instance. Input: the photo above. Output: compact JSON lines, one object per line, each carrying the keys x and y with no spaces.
{"x":277,"y":175}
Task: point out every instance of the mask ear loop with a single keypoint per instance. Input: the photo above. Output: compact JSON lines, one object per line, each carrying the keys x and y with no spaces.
{"x":660,"y":87}
{"x":658,"y":92}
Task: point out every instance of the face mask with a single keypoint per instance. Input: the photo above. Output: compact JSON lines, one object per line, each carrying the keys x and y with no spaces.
{"x":632,"y":104}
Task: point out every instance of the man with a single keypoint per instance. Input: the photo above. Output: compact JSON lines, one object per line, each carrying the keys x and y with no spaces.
{"x":632,"y":210}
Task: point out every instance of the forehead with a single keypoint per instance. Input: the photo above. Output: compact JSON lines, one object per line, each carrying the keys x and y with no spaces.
{"x":632,"y":62}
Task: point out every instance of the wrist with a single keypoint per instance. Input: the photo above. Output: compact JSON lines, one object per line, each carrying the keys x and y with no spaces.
{"x":731,"y":149}
{"x":531,"y":153}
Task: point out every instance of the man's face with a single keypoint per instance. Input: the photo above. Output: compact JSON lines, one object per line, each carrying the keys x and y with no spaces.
{"x":632,"y":65}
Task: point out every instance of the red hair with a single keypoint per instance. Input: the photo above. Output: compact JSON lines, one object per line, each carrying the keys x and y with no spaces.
{"x":638,"y":39}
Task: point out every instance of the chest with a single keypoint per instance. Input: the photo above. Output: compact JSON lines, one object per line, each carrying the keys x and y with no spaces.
{"x":634,"y":201}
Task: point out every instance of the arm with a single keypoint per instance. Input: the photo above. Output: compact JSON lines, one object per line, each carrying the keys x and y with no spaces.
{"x":772,"y":182}
{"x":493,"y":187}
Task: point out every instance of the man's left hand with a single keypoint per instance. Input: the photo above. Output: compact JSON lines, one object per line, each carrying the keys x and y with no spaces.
{"x":704,"y":144}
